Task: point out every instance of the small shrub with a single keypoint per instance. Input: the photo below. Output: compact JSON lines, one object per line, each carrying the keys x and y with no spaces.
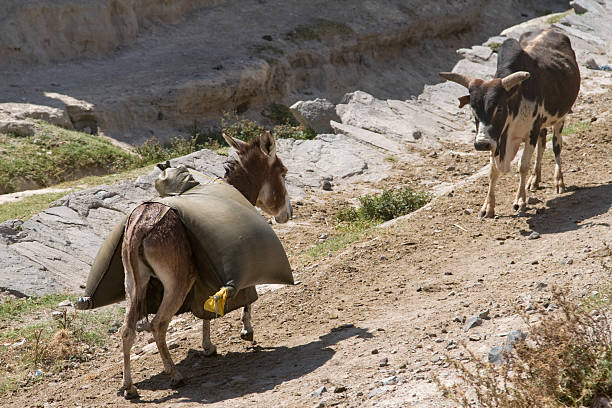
{"x":244,"y":129}
{"x":280,"y":114}
{"x":565,"y":362}
{"x":556,"y":18}
{"x":494,"y":46}
{"x":386,"y":206}
{"x":293,"y":132}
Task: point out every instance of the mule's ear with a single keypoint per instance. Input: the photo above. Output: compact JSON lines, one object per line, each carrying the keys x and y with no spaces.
{"x":267,"y":144}
{"x":464,"y":100}
{"x":235,"y":143}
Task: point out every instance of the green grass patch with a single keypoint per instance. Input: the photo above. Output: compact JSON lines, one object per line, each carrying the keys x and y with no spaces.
{"x":316,"y":31}
{"x":576,"y":127}
{"x":348,"y":235}
{"x":55,"y":154}
{"x":32,"y":338}
{"x":385,"y":206}
{"x":247,"y":130}
{"x":556,"y":18}
{"x":28,"y":206}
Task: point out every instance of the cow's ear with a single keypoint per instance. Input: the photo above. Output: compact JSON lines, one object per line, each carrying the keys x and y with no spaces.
{"x":464,"y":100}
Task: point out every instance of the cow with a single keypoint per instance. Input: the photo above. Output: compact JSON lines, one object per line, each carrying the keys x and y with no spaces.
{"x":536,"y":84}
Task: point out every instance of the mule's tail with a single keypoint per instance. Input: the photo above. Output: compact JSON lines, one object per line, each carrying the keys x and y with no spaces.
{"x":139,"y":224}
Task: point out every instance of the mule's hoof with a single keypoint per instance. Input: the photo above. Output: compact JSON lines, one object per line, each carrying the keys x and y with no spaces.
{"x":247,"y":336}
{"x":210,"y":351}
{"x":486,"y":214}
{"x":130,"y":393}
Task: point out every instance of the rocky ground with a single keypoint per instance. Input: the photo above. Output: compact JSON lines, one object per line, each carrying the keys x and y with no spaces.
{"x":368,"y":324}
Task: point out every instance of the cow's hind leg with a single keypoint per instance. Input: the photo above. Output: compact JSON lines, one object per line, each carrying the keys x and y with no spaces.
{"x":520,"y":201}
{"x":247,"y":327}
{"x":557,"y":145}
{"x":168,"y":251}
{"x":536,"y":176}
{"x":488,"y":208}
{"x":209,"y":348}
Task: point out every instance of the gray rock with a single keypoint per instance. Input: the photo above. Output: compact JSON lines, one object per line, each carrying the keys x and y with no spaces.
{"x":65,"y":303}
{"x":383,"y":362}
{"x":591,"y":64}
{"x":484,"y":314}
{"x":339,"y":388}
{"x":378,"y":391}
{"x":495,"y":355}
{"x":16,"y":127}
{"x":477,"y":53}
{"x":514,"y":337}
{"x":534,"y":235}
{"x":584,"y":6}
{"x":315,"y":114}
{"x":318,"y":392}
{"x":326,"y":185}
{"x":472,"y":321}
{"x":390,"y":380}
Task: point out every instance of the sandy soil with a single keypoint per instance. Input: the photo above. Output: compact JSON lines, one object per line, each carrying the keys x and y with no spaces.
{"x":385,"y":305}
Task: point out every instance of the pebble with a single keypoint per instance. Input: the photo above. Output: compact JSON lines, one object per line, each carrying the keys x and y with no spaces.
{"x":534,"y":235}
{"x":318,"y":392}
{"x":326,"y":185}
{"x":484,"y":314}
{"x":65,"y":303}
{"x":390,"y":380}
{"x":383,"y":362}
{"x":567,"y":261}
{"x":472,"y":321}
{"x":339,"y":388}
{"x":468,"y":211}
{"x":374,"y":351}
{"x":378,"y":391}
{"x":475,"y":337}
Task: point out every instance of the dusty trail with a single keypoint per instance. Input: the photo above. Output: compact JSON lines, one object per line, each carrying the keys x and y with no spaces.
{"x":371,"y":321}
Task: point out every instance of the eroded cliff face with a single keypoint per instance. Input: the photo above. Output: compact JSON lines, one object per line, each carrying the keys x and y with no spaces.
{"x":35,"y":31}
{"x":157,"y":68}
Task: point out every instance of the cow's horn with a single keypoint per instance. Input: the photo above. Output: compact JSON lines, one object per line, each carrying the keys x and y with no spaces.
{"x":514,"y":79}
{"x":461,"y":79}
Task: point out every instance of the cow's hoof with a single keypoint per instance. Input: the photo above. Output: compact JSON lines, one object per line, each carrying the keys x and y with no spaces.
{"x":130,"y":393}
{"x":560,"y":189}
{"x":177,"y":382}
{"x":210,"y":350}
{"x":246,"y":335}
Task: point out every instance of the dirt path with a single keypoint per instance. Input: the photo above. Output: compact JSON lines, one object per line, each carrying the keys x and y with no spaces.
{"x":370,"y":322}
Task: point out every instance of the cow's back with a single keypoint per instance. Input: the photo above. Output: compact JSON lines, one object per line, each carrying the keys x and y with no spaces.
{"x":549,"y":58}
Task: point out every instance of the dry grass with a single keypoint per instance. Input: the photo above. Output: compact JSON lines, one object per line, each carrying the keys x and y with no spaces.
{"x":566,"y":361}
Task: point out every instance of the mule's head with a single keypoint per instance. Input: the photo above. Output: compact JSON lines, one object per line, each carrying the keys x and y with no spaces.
{"x":489,"y":101}
{"x":257,"y":172}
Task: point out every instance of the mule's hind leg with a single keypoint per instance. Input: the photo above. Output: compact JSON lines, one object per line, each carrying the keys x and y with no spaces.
{"x":247,"y":328}
{"x":168,"y":251}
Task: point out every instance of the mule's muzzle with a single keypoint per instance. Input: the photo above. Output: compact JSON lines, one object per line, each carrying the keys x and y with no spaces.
{"x":482,"y":145}
{"x":285,"y":215}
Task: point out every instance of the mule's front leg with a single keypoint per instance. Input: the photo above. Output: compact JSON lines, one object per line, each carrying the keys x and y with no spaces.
{"x":247,"y":328}
{"x":488,"y":208}
{"x":209,"y":348}
{"x":520,"y":202}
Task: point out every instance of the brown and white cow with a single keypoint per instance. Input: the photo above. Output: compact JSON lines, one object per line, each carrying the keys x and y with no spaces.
{"x":535,"y":86}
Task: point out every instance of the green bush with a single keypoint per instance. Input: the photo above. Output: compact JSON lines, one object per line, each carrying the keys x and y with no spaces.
{"x":386,"y":206}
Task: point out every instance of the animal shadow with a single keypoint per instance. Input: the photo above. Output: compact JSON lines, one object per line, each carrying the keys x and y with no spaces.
{"x":213,"y":379}
{"x":568,"y":212}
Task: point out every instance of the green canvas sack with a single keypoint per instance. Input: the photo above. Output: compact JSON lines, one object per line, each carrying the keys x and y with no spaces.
{"x":233,"y":245}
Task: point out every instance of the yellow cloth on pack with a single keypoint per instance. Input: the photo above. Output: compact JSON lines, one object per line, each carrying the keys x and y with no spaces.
{"x":216,"y":303}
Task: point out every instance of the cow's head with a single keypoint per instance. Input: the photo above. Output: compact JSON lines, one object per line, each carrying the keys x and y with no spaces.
{"x":489,"y":103}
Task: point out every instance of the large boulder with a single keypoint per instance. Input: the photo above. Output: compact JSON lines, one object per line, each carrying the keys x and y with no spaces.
{"x":315,"y":114}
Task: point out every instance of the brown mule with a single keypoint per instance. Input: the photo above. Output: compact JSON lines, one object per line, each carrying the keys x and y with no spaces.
{"x":156,"y":245}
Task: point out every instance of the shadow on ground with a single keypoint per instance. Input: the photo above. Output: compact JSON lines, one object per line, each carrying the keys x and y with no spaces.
{"x":236,"y":374}
{"x":572,"y":211}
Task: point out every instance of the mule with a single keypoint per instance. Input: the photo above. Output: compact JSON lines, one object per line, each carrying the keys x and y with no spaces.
{"x":156,"y":244}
